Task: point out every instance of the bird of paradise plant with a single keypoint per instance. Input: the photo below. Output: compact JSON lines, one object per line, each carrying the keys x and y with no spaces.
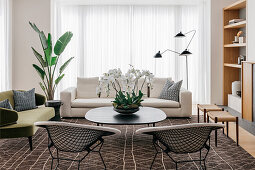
{"x":48,"y":63}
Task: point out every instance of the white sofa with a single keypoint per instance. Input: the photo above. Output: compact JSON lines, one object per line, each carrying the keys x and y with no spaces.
{"x":79,"y":100}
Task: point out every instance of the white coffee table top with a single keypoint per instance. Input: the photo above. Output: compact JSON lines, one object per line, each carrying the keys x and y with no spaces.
{"x":106,"y":115}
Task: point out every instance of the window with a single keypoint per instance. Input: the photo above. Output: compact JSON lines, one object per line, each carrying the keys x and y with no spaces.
{"x":114,"y":36}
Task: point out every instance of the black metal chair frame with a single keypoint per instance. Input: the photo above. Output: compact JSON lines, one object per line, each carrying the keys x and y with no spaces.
{"x":89,"y":149}
{"x":167,"y":151}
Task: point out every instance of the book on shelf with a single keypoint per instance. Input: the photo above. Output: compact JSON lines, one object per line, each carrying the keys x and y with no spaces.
{"x":233,"y":21}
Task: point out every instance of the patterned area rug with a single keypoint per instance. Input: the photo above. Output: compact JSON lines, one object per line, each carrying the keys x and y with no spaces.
{"x":127,"y":151}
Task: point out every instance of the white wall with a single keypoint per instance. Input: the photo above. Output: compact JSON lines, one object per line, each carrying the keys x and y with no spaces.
{"x":37,"y":11}
{"x":251,"y":30}
{"x":216,"y":49}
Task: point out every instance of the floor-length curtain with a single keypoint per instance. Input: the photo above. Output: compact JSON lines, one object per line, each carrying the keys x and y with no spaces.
{"x":5,"y":69}
{"x":114,"y":36}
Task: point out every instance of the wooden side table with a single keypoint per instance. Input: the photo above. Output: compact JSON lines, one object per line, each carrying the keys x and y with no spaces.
{"x":223,"y":116}
{"x":206,"y":108}
{"x":56,"y":104}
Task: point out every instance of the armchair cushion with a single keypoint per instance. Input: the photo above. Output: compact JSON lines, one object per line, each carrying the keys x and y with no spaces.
{"x":6,"y":104}
{"x":24,"y":100}
{"x":7,"y":116}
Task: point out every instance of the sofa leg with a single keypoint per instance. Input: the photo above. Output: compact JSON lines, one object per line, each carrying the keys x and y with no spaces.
{"x":30,"y":142}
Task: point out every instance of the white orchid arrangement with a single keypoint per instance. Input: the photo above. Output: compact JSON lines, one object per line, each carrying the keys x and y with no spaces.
{"x":125,"y":85}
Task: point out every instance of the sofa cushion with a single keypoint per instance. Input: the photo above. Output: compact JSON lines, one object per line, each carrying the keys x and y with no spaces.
{"x":91,"y":103}
{"x":165,"y":93}
{"x":102,"y":102}
{"x":86,"y":87}
{"x":158,"y":84}
{"x":160,"y":103}
{"x":172,"y":93}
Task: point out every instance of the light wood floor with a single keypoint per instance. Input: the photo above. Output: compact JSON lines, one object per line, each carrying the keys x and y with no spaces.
{"x":246,"y":139}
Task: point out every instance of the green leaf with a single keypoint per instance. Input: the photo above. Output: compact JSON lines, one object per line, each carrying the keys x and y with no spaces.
{"x":62,"y":43}
{"x":53,"y":61}
{"x":62,"y":68}
{"x":42,"y":86}
{"x":43,"y":40}
{"x":39,"y":71}
{"x":48,"y":51}
{"x":49,"y":42}
{"x":59,"y":79}
{"x":34,"y":27}
{"x":39,"y":57}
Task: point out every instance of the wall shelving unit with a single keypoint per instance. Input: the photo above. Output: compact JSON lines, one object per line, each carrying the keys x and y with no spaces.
{"x":231,"y":51}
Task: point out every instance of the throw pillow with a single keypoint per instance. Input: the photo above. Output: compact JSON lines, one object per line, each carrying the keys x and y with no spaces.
{"x":6,"y":104}
{"x":173,"y":92}
{"x":164,"y":93}
{"x":24,"y":100}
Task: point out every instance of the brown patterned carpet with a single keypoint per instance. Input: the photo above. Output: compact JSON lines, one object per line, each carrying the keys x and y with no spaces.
{"x":127,"y":151}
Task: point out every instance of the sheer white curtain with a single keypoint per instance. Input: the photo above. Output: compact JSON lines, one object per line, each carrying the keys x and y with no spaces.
{"x":114,"y":36}
{"x":5,"y":70}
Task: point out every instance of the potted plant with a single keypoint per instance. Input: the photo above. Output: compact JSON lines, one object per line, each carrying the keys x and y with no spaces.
{"x":128,"y":95}
{"x":47,"y":71}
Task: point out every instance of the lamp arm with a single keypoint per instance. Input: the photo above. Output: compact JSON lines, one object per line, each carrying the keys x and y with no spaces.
{"x":191,"y":37}
{"x":170,"y":50}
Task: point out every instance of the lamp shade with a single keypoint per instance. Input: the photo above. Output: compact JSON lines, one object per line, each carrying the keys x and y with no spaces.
{"x":158,"y":55}
{"x":179,"y":35}
{"x":185,"y":53}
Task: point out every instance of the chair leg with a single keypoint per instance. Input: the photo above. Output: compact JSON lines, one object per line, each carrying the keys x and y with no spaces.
{"x":200,"y":158}
{"x":30,"y":142}
{"x":153,"y":159}
{"x":204,"y":115}
{"x":227,"y":128}
{"x":208,"y":119}
{"x":223,"y":128}
{"x":216,"y":121}
{"x":197,"y":115}
{"x":204,"y":165}
{"x":176,"y":166}
{"x":79,"y":163}
{"x":51,"y":163}
{"x":237,"y":132}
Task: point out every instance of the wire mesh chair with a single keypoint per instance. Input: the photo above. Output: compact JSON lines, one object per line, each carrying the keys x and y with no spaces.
{"x":75,"y":138}
{"x":182,"y":139}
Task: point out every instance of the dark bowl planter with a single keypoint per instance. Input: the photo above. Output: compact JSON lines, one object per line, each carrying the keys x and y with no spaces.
{"x":126,"y":111}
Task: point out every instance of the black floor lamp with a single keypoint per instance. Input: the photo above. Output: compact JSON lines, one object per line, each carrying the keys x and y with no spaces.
{"x":185,"y":53}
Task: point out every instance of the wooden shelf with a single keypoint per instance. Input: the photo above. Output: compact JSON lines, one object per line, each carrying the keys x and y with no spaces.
{"x":235,"y":45}
{"x":236,"y":25}
{"x":231,"y":71}
{"x":232,"y":65}
{"x":237,"y":5}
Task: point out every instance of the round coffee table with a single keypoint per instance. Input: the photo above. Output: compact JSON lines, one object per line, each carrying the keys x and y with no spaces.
{"x":106,"y":115}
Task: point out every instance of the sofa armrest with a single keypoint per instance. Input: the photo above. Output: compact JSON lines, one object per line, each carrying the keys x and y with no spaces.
{"x":39,"y":99}
{"x":67,"y":96}
{"x":186,"y":102}
{"x":7,"y":117}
